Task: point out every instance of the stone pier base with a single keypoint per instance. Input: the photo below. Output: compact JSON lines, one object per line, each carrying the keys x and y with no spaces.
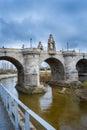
{"x":30,"y":89}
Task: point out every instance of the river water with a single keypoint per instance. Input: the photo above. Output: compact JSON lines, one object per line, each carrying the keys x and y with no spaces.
{"x":63,"y":111}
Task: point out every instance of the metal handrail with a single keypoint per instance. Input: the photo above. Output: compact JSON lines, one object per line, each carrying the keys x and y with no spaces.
{"x":12,"y":104}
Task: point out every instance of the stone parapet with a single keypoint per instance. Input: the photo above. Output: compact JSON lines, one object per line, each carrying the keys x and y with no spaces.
{"x":31,"y":51}
{"x":69,"y":53}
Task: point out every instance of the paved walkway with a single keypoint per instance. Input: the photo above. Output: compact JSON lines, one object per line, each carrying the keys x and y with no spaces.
{"x":5,"y":123}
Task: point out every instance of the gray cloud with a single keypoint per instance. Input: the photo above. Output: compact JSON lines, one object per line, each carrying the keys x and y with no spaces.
{"x":21,"y":20}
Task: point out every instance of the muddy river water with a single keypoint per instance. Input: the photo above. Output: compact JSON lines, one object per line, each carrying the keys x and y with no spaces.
{"x":62,"y":111}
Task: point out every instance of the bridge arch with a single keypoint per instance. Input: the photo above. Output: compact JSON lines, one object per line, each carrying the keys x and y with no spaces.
{"x":81,"y":67}
{"x":19,"y":67}
{"x":57,"y":69}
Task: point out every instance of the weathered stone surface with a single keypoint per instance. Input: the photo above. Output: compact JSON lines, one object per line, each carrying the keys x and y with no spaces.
{"x":65,"y":65}
{"x":62,"y":83}
{"x":59,"y":83}
{"x":40,"y":46}
{"x":31,"y":89}
{"x":82,"y":94}
{"x":51,"y":45}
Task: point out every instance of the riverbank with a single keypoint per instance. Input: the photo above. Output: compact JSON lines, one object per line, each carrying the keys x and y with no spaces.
{"x":68,"y":111}
{"x":20,"y":113}
{"x":4,"y":76}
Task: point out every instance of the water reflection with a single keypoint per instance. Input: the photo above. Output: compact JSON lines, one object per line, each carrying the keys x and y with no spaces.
{"x":84,"y":120}
{"x":46,"y":99}
{"x":63,"y":111}
{"x":10,"y":84}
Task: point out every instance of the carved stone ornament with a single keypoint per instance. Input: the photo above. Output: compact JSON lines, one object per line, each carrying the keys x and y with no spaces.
{"x":51,"y":43}
{"x":40,"y":46}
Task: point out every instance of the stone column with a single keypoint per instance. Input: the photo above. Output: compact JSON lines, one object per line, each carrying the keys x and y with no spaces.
{"x":31,"y":70}
{"x":70,"y":68}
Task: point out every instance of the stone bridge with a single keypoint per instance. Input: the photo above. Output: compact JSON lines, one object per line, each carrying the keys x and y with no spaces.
{"x":65,"y":65}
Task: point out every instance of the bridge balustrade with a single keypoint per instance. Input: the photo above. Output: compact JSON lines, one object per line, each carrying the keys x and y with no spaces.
{"x":12,"y":105}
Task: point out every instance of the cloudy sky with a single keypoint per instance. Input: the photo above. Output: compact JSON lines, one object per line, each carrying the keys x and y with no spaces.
{"x":21,"y":20}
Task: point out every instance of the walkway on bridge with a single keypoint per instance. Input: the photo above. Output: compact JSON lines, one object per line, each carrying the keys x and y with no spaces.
{"x":5,"y":123}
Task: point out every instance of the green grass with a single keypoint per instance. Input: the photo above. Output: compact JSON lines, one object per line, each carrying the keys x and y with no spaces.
{"x":85,"y":84}
{"x":45,"y":77}
{"x":8,"y":72}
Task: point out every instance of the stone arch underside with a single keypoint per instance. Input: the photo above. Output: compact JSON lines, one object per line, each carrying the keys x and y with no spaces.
{"x":57,"y":69}
{"x":19,"y":67}
{"x":81,"y":67}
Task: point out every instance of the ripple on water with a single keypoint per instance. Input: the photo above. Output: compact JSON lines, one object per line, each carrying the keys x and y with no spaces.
{"x":63,"y":111}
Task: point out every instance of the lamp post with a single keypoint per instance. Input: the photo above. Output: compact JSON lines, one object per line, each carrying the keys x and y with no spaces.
{"x":83,"y":55}
{"x":67,"y":46}
{"x":30,"y":42}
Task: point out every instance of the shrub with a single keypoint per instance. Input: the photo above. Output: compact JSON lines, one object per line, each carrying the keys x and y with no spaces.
{"x":85,"y":84}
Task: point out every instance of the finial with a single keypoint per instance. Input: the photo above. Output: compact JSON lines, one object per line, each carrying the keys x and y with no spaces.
{"x":51,"y":43}
{"x":40,"y":46}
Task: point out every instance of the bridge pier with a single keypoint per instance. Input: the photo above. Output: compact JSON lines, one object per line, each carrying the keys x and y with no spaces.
{"x":32,"y":79}
{"x":31,"y":68}
{"x":31,"y":84}
{"x":70,"y":67}
{"x":72,"y":76}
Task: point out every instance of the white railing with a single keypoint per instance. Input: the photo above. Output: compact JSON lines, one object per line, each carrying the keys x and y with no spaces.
{"x":12,"y":105}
